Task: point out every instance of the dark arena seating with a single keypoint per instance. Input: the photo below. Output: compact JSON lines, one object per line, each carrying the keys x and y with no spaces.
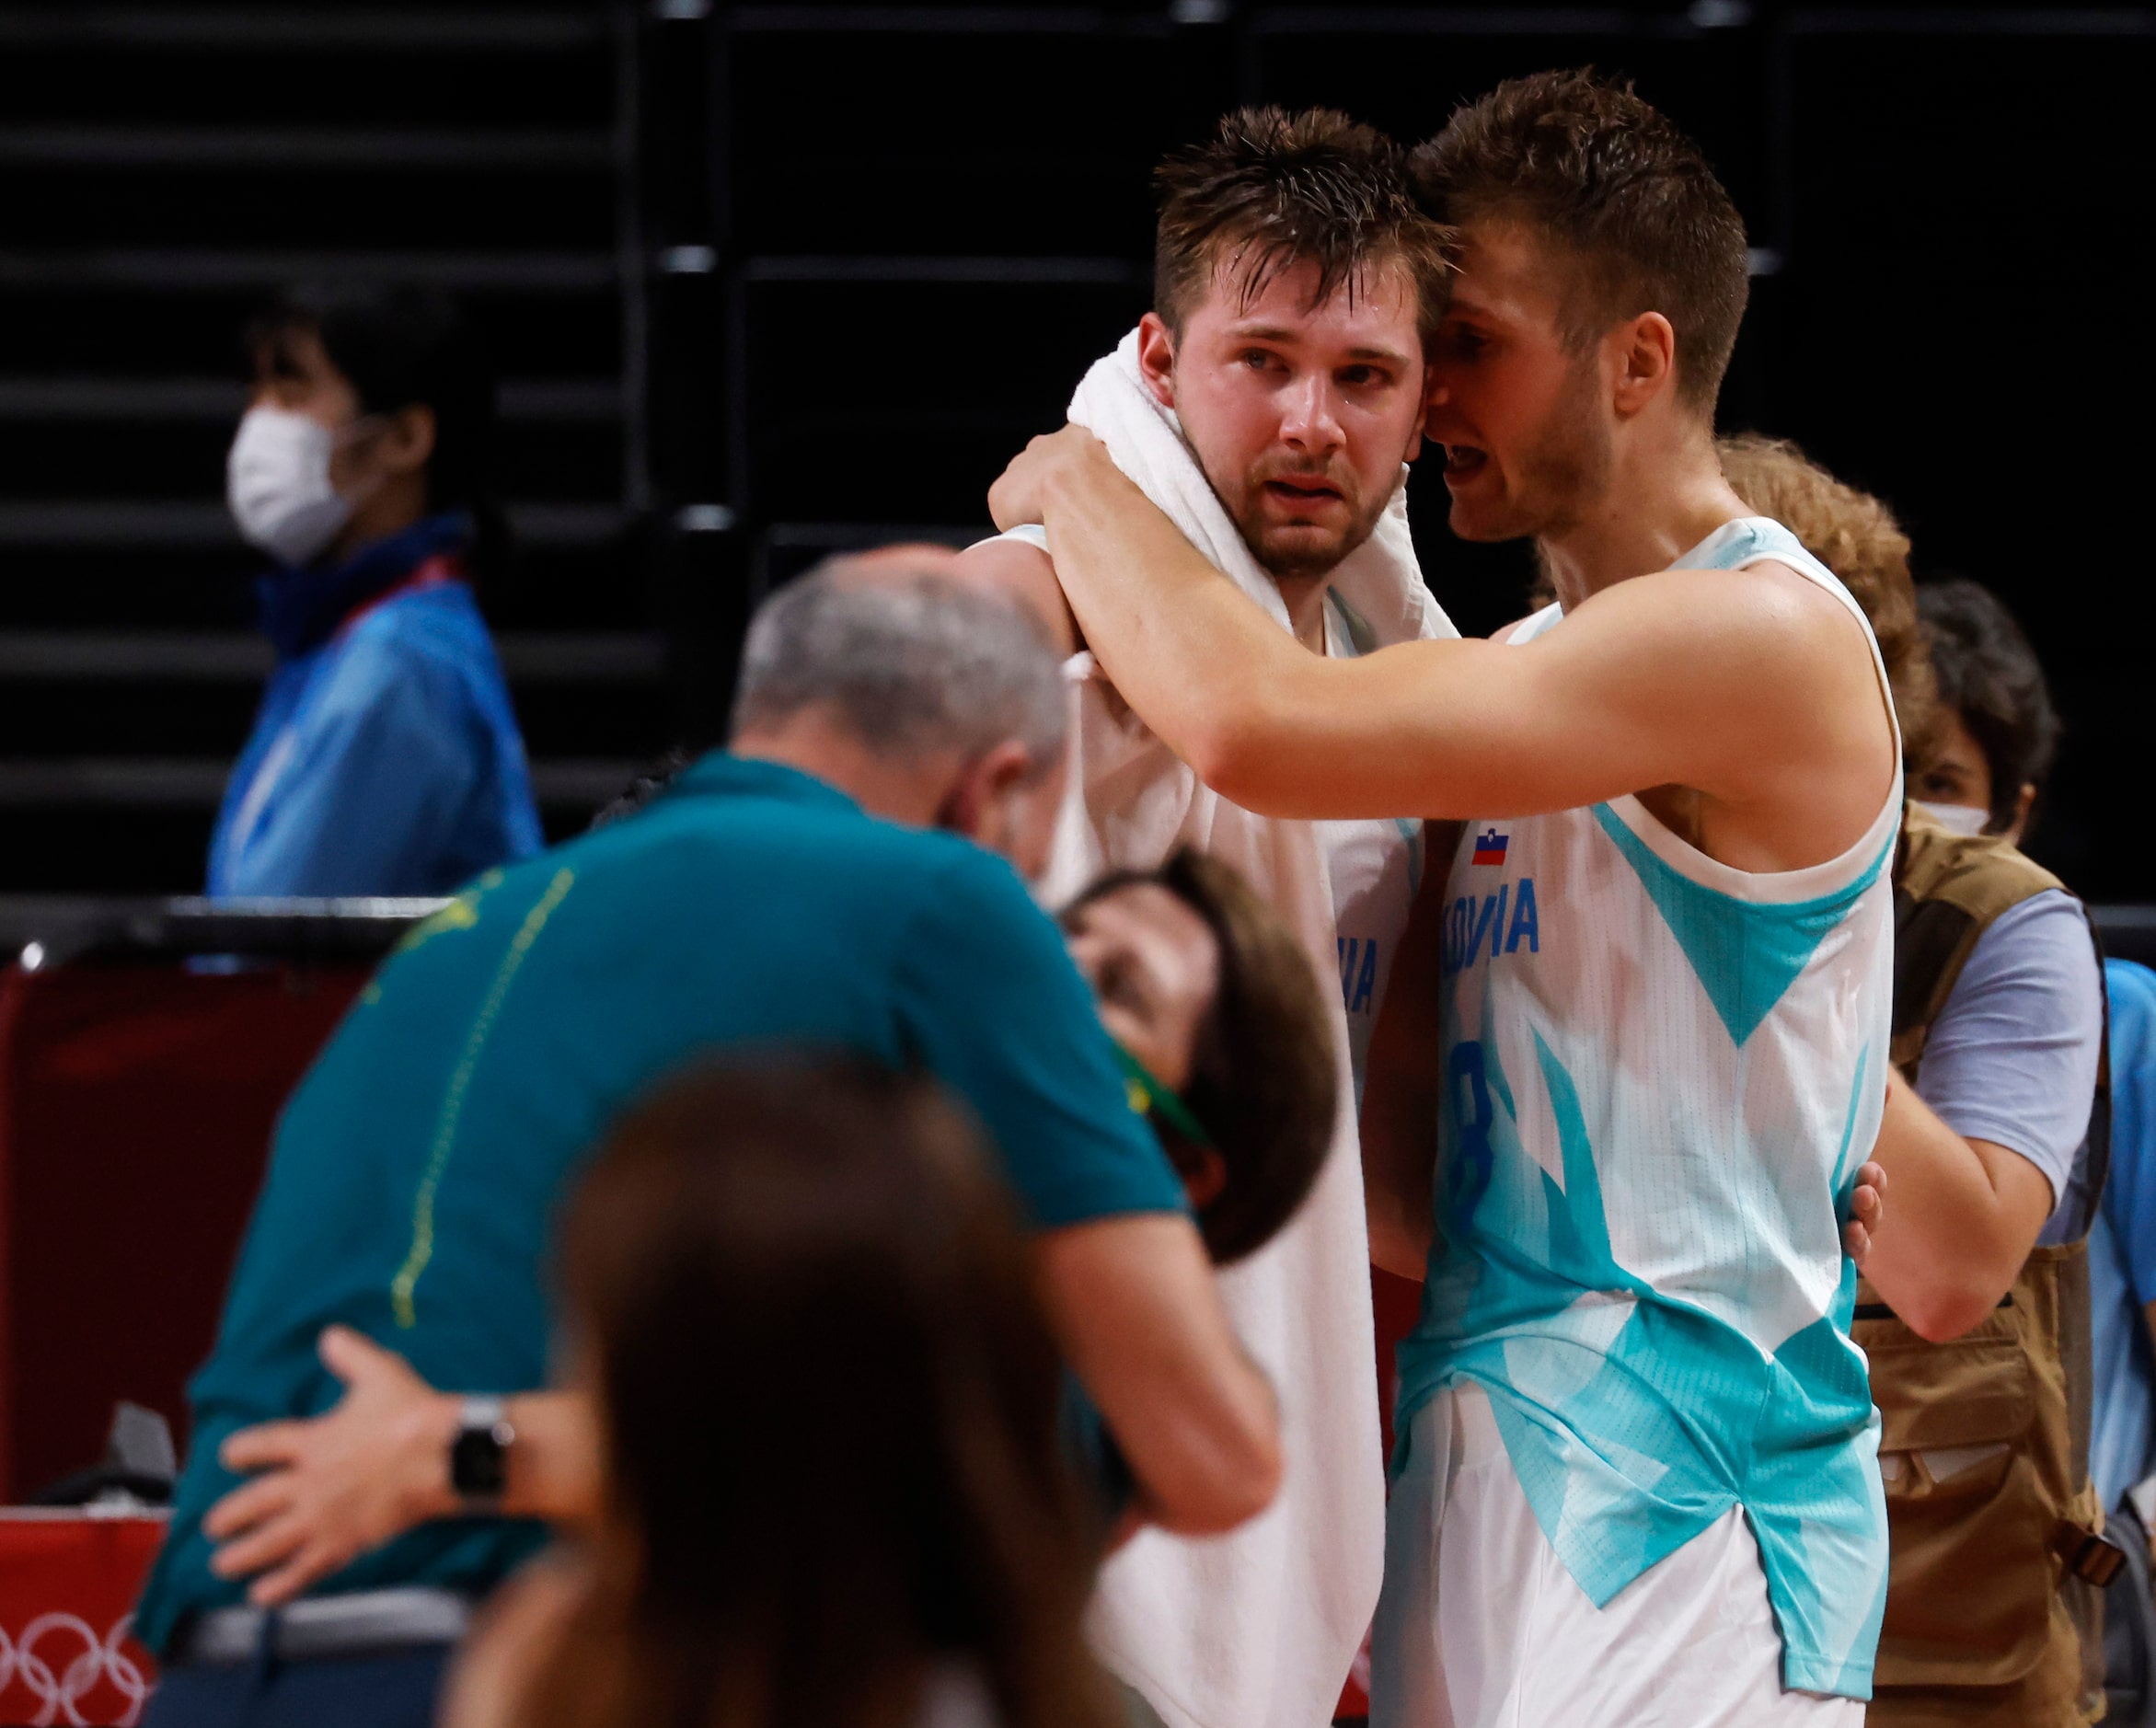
{"x":166,"y":168}
{"x":766,"y":282}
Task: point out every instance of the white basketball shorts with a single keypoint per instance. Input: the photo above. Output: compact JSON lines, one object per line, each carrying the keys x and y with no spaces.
{"x":1481,"y":1626}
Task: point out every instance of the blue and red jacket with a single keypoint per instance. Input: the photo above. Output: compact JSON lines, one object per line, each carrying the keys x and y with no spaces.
{"x":386,"y":757}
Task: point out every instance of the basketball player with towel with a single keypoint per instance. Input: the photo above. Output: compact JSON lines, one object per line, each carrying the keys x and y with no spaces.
{"x":1636,"y":1479}
{"x":1267,"y":404}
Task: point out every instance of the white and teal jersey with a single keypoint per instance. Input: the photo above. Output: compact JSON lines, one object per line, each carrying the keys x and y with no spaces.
{"x":1661,"y":1074}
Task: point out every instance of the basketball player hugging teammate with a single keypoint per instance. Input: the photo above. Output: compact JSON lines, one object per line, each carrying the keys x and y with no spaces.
{"x":1637,"y":1477}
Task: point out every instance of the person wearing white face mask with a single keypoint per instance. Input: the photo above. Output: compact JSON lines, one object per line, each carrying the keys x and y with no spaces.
{"x":386,"y":757}
{"x":1997,"y":730}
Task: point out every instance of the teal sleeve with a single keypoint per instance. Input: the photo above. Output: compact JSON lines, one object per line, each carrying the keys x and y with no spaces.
{"x":992,"y":1006}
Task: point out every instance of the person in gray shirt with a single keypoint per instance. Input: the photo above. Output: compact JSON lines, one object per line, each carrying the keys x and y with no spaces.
{"x":2013,"y":1056}
{"x":2012,"y":1059}
{"x":1982,"y":1141}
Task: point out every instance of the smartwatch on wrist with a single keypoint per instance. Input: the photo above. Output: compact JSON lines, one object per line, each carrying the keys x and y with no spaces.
{"x":478,"y":1454}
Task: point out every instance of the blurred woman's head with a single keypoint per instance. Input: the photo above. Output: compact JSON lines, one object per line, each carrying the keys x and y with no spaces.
{"x":828,"y":1408}
{"x":376,"y":400}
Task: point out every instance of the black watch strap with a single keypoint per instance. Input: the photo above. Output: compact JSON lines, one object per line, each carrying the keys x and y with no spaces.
{"x":478,"y":1455}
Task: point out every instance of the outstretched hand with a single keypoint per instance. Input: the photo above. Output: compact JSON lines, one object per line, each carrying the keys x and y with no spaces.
{"x":1867,"y":1205}
{"x":331,"y":1489}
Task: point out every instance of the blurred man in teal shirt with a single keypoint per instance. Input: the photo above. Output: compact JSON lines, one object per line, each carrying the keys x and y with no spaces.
{"x":792,"y":892}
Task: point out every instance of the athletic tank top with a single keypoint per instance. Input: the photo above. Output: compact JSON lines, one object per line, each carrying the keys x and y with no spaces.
{"x":1373,"y":867}
{"x":1661,"y":1073}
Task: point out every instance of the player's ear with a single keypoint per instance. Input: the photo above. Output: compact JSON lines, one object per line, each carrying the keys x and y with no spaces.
{"x":1435,"y":395}
{"x":1157,"y":358}
{"x":1646,"y":361}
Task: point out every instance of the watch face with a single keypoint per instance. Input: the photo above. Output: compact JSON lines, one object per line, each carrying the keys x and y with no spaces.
{"x":478,"y":1463}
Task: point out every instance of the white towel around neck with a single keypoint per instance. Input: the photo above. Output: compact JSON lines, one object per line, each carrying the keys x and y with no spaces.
{"x":1256,"y":1629}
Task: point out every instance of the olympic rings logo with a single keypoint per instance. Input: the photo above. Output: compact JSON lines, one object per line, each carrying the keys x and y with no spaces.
{"x":99,"y":1660}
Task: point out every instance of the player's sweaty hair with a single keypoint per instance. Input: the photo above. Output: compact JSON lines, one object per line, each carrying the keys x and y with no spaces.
{"x":1640,"y":220}
{"x":1271,"y":190}
{"x":1856,"y":536}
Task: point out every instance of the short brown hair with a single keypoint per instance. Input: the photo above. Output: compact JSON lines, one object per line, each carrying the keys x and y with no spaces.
{"x":1612,"y":181}
{"x":1263,"y":1079}
{"x":1271,"y":190}
{"x":1856,"y":536}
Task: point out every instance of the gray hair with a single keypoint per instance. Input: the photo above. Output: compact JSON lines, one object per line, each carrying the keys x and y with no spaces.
{"x":914,"y":661}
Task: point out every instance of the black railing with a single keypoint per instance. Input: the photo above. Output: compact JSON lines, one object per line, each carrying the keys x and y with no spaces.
{"x":39,"y":931}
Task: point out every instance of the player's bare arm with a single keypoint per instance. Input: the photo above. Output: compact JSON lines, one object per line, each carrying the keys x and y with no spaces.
{"x":1753,"y":689}
{"x":1027,"y":575}
{"x":1130,"y":1298}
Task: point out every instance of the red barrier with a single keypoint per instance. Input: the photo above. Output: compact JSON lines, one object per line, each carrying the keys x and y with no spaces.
{"x":136,"y":1104}
{"x":1396,"y":1303}
{"x":68,"y":1581}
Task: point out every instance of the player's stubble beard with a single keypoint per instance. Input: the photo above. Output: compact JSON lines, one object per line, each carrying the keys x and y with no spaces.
{"x":1298,"y":560}
{"x":1564,"y":472}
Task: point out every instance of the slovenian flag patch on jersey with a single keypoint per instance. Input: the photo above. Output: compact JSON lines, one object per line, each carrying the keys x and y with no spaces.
{"x":1490,"y":847}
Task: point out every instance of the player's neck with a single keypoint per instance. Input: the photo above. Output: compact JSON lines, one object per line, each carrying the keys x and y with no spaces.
{"x":895,"y":786}
{"x":1304,"y":596}
{"x":1657,"y":505}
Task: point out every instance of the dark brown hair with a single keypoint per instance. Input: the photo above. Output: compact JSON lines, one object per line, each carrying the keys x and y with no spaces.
{"x":1274,"y":190}
{"x":1263,"y":1080}
{"x":1856,"y":536}
{"x":827,"y":1408}
{"x":1631,"y":201}
{"x":1990,"y":676}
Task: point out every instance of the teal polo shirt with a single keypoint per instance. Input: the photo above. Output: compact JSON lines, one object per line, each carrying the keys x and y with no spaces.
{"x":417,"y":1172}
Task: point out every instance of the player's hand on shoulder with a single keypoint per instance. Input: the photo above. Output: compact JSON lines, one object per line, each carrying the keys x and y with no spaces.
{"x":1021,"y":492}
